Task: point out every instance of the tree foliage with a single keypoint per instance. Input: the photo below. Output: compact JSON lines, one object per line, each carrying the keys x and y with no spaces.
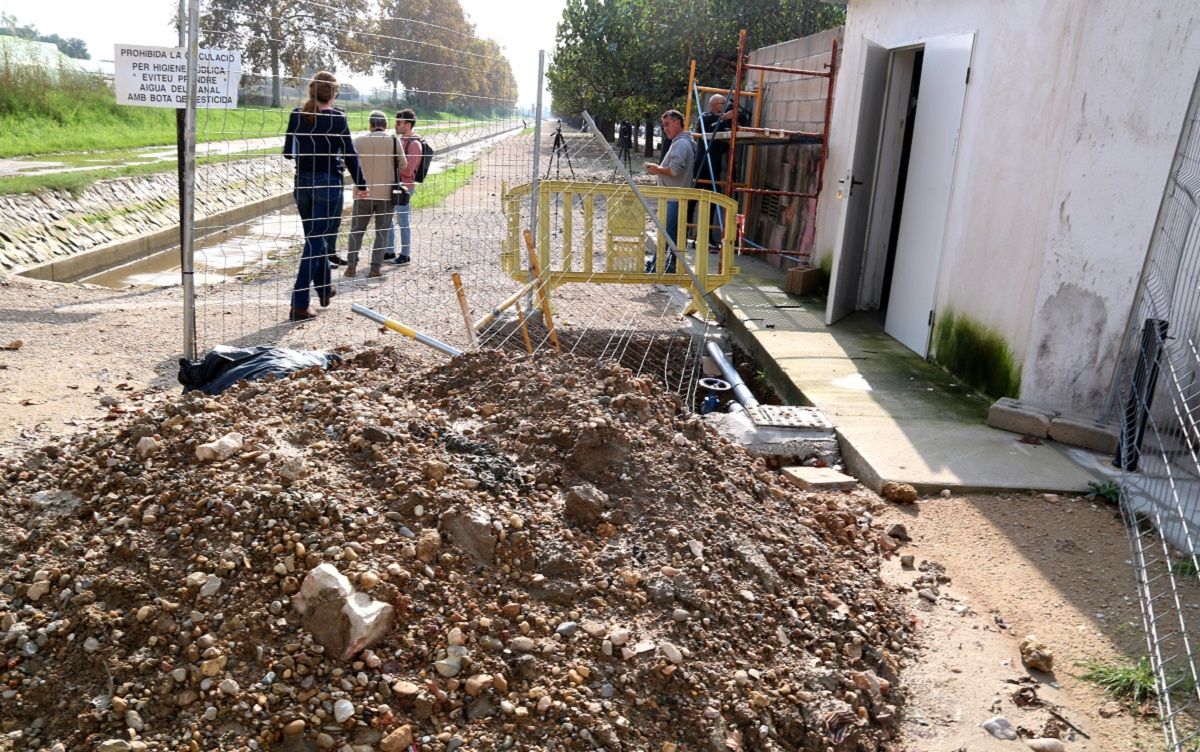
{"x":287,"y":37}
{"x":72,"y":47}
{"x":430,"y":48}
{"x":630,"y":58}
{"x":425,"y":47}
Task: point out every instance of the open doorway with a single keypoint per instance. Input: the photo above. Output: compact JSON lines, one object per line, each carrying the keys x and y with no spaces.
{"x":899,"y":183}
{"x":891,"y":178}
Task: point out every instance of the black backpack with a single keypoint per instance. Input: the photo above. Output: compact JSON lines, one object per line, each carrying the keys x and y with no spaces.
{"x":426,"y":158}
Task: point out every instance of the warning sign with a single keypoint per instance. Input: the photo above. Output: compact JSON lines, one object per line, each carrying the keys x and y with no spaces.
{"x":157,"y":77}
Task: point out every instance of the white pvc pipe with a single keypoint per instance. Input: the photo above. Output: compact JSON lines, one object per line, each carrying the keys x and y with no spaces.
{"x":730,"y":374}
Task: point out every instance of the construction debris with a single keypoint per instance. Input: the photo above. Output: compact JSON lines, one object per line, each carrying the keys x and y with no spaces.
{"x":493,"y":554}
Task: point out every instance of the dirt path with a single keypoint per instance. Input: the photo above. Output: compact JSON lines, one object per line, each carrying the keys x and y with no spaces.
{"x":1053,"y":567}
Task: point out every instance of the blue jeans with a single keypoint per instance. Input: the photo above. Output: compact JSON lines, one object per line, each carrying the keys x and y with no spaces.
{"x":319,"y":201}
{"x":400,"y":219}
{"x":672,"y":228}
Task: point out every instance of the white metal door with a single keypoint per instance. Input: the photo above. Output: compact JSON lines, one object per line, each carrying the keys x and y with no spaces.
{"x":927,"y":191}
{"x":858,"y":186}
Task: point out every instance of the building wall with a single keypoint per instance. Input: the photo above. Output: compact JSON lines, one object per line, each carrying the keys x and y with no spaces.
{"x":1069,"y":127}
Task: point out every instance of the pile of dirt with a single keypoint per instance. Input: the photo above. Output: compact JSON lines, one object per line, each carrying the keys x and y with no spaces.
{"x":568,"y":559}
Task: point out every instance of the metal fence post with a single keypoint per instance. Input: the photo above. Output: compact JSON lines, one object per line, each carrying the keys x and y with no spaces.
{"x":180,"y":121}
{"x":187,"y":229}
{"x":537,"y":146}
{"x":1141,"y":395}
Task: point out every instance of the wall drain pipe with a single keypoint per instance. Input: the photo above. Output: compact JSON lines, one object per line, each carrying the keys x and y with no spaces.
{"x":730,"y":374}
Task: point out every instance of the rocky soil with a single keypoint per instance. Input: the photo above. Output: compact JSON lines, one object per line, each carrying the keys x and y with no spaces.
{"x":560,"y":557}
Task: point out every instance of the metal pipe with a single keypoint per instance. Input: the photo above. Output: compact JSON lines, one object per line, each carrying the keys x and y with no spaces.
{"x":504,"y":305}
{"x":537,"y":150}
{"x":730,"y":374}
{"x":737,"y":99}
{"x":187,"y":214}
{"x":833,"y":68}
{"x":770,"y":192}
{"x":409,"y":332}
{"x":778,"y":69}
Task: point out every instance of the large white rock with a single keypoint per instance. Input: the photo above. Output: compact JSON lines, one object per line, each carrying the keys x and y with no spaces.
{"x":342,"y":620}
{"x":320,"y":578}
{"x":146,"y":446}
{"x":221,"y":449}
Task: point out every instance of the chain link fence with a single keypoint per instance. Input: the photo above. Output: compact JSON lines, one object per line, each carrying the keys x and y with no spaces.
{"x":465,"y":224}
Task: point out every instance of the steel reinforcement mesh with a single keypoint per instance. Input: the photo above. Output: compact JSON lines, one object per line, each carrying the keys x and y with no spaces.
{"x":1157,"y":394}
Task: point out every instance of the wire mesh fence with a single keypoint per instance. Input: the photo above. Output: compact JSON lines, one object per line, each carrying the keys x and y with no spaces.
{"x":311,"y":227}
{"x":1158,"y":393}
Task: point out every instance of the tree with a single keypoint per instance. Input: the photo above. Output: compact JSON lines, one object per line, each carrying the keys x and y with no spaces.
{"x":430,"y":48}
{"x":291,"y":36}
{"x":629,"y":59}
{"x":73,"y":47}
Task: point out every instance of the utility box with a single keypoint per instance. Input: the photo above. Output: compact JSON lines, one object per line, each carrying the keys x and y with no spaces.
{"x":802,"y":280}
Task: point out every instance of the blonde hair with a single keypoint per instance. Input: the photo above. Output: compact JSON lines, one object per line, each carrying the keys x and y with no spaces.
{"x":321,"y":90}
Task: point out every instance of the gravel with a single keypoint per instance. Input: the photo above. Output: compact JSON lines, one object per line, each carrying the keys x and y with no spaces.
{"x":690,"y":600}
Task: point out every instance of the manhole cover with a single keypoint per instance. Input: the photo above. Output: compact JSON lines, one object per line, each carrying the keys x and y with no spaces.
{"x":788,"y":416}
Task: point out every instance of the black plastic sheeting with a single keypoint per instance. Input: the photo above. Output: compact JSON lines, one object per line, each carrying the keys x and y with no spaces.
{"x":225,"y":366}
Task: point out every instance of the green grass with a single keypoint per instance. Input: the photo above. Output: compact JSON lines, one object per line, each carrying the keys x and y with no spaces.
{"x":114,"y":164}
{"x":78,"y":181}
{"x":1184,"y":568}
{"x":53,"y":111}
{"x":1132,"y":683}
{"x":1109,"y":491}
{"x":438,"y":187}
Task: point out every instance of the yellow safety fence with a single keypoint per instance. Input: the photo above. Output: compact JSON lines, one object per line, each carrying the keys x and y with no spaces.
{"x":600,"y":233}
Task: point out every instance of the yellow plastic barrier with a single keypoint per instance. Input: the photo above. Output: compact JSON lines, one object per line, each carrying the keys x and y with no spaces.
{"x":584,"y":212}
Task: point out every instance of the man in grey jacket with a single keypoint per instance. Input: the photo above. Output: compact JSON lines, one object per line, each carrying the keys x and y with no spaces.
{"x":378,"y":155}
{"x":675,"y":171}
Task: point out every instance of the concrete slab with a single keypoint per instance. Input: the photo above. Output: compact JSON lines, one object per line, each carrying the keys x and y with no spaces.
{"x":818,"y":478}
{"x":1008,"y":414}
{"x":898,"y":417}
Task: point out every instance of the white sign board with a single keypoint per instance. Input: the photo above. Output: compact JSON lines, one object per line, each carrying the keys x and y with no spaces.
{"x":157,"y":77}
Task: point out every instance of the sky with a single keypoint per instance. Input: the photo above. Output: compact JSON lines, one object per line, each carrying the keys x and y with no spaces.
{"x":520,"y":29}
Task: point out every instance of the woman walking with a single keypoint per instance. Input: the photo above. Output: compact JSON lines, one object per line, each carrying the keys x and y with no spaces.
{"x":318,"y":140}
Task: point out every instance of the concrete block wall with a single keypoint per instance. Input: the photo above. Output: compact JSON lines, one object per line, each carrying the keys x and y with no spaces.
{"x":37,"y":228}
{"x":794,"y":103}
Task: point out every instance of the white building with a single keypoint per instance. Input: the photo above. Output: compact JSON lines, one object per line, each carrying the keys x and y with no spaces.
{"x":1030,"y":142}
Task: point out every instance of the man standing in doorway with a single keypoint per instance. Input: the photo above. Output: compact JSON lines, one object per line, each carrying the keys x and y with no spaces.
{"x":410,"y":159}
{"x":675,"y":171}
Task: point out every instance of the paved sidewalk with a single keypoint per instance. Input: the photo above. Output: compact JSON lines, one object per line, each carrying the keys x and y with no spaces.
{"x":897,"y":417}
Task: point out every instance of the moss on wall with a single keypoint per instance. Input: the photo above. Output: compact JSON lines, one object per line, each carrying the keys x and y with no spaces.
{"x":977,"y":355}
{"x":825,"y":264}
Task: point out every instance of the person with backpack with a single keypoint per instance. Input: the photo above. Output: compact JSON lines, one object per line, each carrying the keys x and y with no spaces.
{"x":318,"y":141}
{"x":412,"y":153}
{"x":378,"y":153}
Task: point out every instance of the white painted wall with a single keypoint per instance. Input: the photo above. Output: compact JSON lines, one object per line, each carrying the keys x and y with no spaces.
{"x":1069,"y":127}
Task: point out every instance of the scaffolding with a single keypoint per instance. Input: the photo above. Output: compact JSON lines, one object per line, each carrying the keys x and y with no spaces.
{"x":755,"y":136}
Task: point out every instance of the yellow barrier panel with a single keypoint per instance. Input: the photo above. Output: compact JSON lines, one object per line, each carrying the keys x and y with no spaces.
{"x":628,"y":235}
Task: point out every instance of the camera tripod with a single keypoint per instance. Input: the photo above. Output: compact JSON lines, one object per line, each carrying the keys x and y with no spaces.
{"x":560,"y":149}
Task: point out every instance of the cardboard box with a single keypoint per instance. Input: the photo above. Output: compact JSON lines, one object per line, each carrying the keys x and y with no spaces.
{"x":802,"y":280}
